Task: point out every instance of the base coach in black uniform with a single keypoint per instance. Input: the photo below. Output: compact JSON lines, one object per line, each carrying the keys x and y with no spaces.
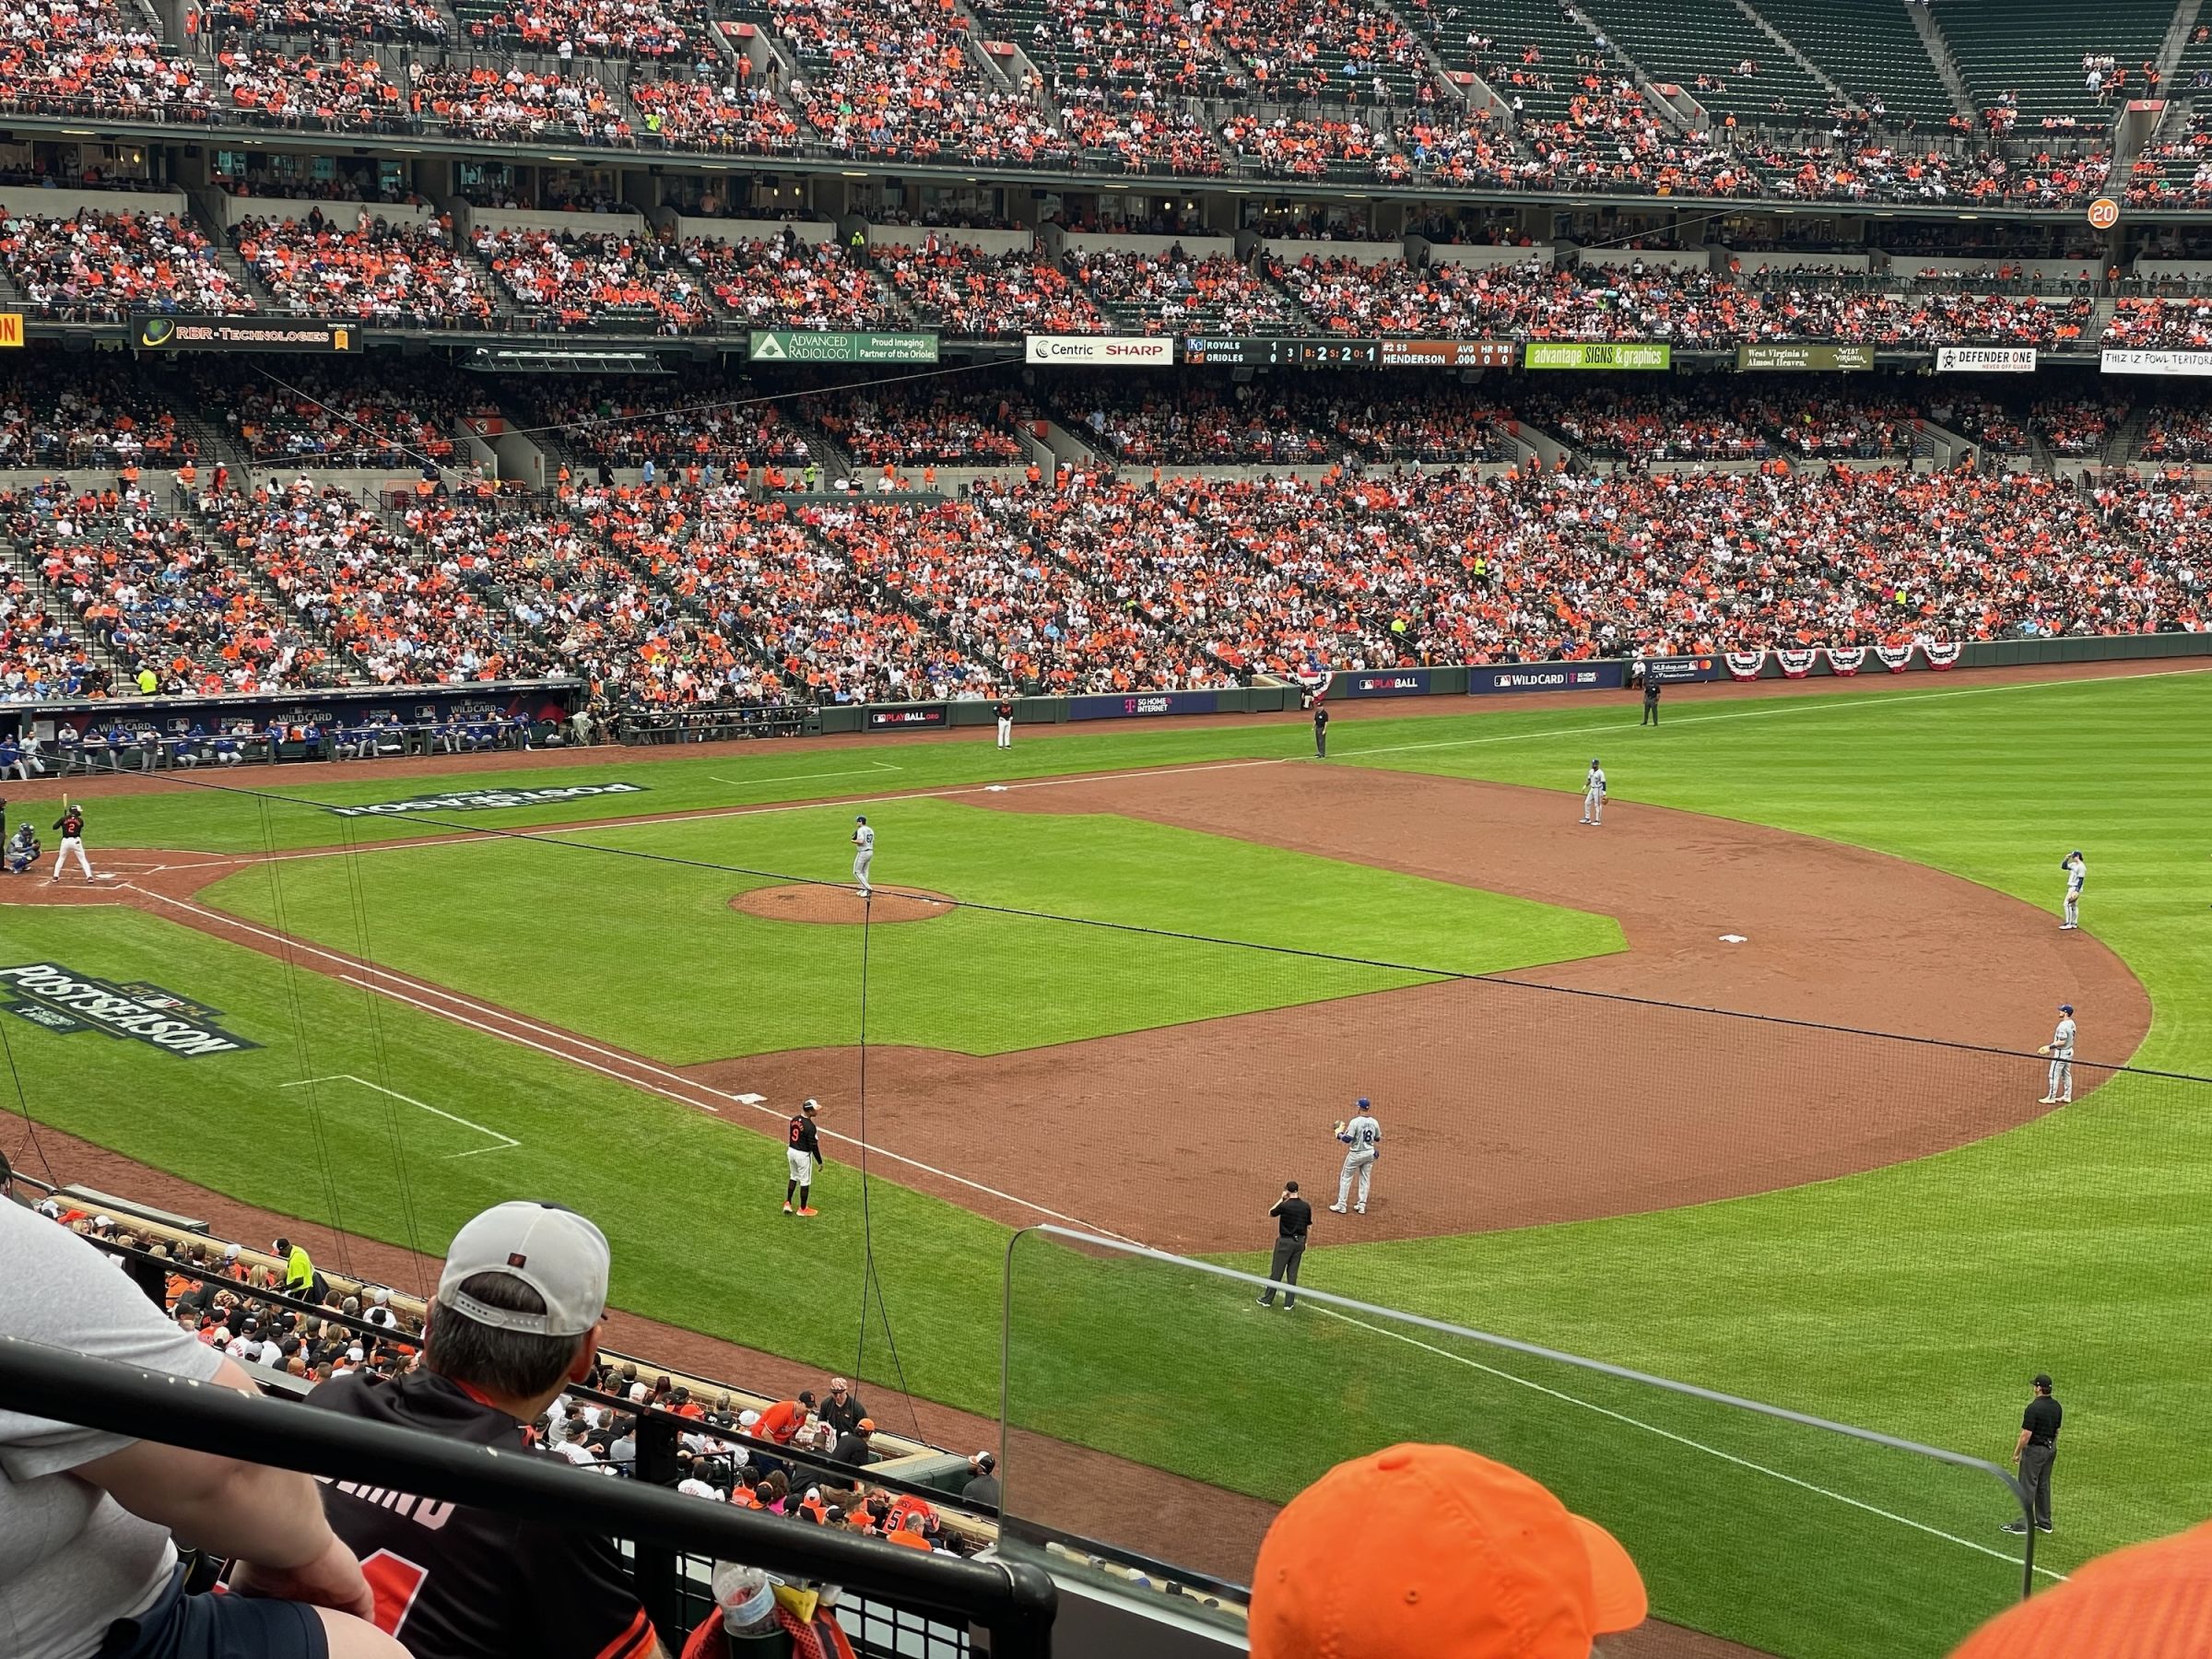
{"x":1652,"y":683}
{"x":1293,"y":1220}
{"x":2035,"y":1452}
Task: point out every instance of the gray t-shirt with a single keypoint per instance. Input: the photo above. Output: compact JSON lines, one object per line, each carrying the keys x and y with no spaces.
{"x":71,"y":1559}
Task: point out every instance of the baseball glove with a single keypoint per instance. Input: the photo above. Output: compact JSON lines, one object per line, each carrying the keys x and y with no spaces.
{"x":1339,"y":1129}
{"x":2045,"y":1049}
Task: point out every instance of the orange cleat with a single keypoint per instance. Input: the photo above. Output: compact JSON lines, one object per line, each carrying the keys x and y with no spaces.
{"x":809,"y":1212}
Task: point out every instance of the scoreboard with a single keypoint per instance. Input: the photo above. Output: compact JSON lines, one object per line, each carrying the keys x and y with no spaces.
{"x":1275,"y":351}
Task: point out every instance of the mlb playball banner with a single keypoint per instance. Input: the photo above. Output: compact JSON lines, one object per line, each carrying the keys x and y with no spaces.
{"x":1134,"y":351}
{"x":1846,"y":659}
{"x":1382,"y":682}
{"x":1745,"y":665}
{"x":1985,"y":360}
{"x":1139,"y":704}
{"x":906,"y":717}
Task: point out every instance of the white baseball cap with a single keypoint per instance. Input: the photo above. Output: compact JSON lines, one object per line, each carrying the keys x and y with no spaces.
{"x":554,"y":1251}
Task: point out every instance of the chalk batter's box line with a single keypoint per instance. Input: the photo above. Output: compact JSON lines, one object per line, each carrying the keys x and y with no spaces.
{"x":504,"y":1141}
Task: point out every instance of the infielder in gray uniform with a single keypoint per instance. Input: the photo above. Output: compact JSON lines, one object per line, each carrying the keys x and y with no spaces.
{"x":2061,"y":1050}
{"x":1593,"y":795}
{"x":864,"y":852}
{"x":2076,"y":872}
{"x":1364,"y":1136}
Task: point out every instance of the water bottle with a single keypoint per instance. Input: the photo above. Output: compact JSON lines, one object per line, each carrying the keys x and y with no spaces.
{"x":747,"y":1599}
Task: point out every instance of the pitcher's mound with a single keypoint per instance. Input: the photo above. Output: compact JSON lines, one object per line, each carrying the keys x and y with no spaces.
{"x":809,"y":902}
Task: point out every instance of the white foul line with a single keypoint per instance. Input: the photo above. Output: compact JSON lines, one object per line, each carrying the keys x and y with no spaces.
{"x":347,"y":964}
{"x":505,"y":1140}
{"x":1744,"y":1462}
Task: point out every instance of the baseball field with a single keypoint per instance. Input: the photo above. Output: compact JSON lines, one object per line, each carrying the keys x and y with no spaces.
{"x":1739,"y":1089}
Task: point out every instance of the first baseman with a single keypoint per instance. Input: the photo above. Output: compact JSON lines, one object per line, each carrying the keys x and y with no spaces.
{"x":864,"y":852}
{"x":802,"y":1155}
{"x":1593,"y":794}
{"x":2076,"y":873}
{"x":1364,"y":1136}
{"x":2061,"y":1050}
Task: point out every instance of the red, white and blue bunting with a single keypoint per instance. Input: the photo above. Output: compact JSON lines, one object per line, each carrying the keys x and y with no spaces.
{"x":1942,"y":654}
{"x":1745,"y":664}
{"x":1796,"y":665}
{"x":1846,"y":659}
{"x":1894,"y":657}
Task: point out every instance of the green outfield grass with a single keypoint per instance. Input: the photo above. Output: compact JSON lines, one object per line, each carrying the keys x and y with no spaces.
{"x":1915,"y":1299}
{"x":686,"y":978}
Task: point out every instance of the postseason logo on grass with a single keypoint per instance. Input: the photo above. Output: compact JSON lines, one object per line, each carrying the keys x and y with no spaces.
{"x":60,"y":999}
{"x":484,"y":800}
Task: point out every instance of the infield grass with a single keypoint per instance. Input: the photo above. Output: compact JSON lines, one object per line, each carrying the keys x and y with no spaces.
{"x":1916,"y":1298}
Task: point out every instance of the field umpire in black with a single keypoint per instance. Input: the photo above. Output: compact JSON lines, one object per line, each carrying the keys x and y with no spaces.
{"x":1293,"y":1219}
{"x":1652,"y":683}
{"x":1321,"y":733}
{"x":2035,"y":1452}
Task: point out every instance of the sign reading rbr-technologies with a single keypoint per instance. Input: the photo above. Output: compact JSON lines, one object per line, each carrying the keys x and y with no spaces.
{"x":1591,"y":354}
{"x":60,"y":999}
{"x":484,"y":800}
{"x":829,"y":345}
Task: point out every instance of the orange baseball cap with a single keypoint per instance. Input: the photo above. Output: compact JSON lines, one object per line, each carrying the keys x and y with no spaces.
{"x":1435,"y":1551}
{"x":2150,"y":1601}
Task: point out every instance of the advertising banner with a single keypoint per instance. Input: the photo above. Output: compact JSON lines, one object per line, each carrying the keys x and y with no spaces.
{"x":906,"y":717}
{"x":241,"y":334}
{"x":2156,"y":362}
{"x":1985,"y":360}
{"x":1579,"y":354}
{"x":1382,"y":682}
{"x":484,"y":800}
{"x":1675,"y":671}
{"x":11,"y":329}
{"x":830,"y":345}
{"x":1116,"y":706}
{"x":1136,"y":351}
{"x":1449,"y":354}
{"x":1805,"y":357}
{"x":1608,"y":675}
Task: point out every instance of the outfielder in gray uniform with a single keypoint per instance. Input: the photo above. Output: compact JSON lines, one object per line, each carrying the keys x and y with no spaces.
{"x":2078,"y":872}
{"x":1593,"y":795}
{"x":1364,"y":1136}
{"x":2061,"y":1050}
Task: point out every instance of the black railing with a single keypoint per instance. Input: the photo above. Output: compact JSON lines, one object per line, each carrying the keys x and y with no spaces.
{"x":904,"y":1590}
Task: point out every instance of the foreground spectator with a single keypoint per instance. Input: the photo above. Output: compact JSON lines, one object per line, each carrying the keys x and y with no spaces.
{"x":516,"y":1322}
{"x":2145,"y":1601}
{"x":88,"y":1515}
{"x":1434,"y":1550}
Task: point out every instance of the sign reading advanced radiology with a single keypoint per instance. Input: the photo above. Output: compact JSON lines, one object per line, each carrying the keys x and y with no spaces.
{"x":1985,"y":360}
{"x":1580,"y":354}
{"x":242,"y":333}
{"x":831,"y":346}
{"x":62,"y":999}
{"x":2156,"y":362}
{"x":1137,"y":350}
{"x":1805,"y":357}
{"x":484,"y":800}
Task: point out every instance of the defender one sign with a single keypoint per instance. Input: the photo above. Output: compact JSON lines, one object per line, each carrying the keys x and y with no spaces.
{"x":63,"y":1000}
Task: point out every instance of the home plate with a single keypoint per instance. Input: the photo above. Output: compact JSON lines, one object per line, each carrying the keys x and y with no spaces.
{"x":1733,"y":939}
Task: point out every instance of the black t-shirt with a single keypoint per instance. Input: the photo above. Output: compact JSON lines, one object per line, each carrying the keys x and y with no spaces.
{"x":2041,"y":1420}
{"x":454,"y":1582}
{"x":1294,"y":1216}
{"x":844,"y":1418}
